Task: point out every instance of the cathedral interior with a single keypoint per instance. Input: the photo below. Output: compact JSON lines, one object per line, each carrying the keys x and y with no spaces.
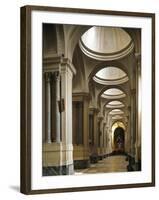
{"x":91,"y":99}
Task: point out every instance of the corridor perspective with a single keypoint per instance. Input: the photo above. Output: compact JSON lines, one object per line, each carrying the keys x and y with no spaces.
{"x":91,"y":99}
{"x":110,"y":164}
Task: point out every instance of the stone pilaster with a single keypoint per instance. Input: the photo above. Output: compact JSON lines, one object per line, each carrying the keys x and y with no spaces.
{"x":48,"y":107}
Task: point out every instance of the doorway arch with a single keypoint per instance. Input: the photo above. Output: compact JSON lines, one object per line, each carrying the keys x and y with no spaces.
{"x":118,"y":128}
{"x":119,"y":140}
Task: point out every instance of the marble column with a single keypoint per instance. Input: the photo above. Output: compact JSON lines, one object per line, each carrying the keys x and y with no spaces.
{"x":48,"y":107}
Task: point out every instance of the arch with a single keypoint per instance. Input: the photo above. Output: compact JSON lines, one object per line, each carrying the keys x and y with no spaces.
{"x":119,"y":140}
{"x":73,"y":37}
{"x":118,"y":124}
{"x":79,"y":79}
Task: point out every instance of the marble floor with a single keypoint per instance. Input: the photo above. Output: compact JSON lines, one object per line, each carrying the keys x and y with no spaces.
{"x":110,"y":164}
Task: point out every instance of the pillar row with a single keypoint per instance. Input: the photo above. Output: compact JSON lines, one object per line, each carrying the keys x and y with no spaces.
{"x":52,"y":112}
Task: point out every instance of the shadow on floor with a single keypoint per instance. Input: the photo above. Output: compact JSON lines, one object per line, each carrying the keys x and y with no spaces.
{"x":15,"y":188}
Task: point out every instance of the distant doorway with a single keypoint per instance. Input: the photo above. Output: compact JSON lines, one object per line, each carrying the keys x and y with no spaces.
{"x":119,"y":140}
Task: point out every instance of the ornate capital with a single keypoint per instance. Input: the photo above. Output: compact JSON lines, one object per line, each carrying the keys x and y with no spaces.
{"x":56,"y":75}
{"x":47,"y":76}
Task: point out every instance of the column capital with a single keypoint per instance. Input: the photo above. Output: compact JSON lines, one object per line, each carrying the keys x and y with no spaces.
{"x":47,"y":76}
{"x":56,"y":75}
{"x":100,"y":117}
{"x":67,"y":64}
{"x":94,"y":110}
{"x":80,"y":96}
{"x":58,"y":62}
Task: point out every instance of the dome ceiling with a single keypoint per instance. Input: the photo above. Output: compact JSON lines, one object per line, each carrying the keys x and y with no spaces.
{"x":110,"y":73}
{"x":110,"y":76}
{"x":104,"y":43}
{"x":116,"y":112}
{"x":115,"y":104}
{"x":113,"y":93}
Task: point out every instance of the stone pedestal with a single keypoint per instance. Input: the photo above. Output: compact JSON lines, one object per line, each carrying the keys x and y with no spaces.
{"x":55,"y":159}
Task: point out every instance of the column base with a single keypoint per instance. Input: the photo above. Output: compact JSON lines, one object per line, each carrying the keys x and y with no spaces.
{"x":58,"y":170}
{"x":81,"y":164}
{"x":136,"y":166}
{"x":131,"y":164}
{"x":80,"y":157}
{"x":94,"y":158}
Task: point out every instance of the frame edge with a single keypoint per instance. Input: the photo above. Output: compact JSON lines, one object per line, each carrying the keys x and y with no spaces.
{"x":25,"y":97}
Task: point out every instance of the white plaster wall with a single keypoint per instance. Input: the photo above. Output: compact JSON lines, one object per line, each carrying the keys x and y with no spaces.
{"x":9,"y":101}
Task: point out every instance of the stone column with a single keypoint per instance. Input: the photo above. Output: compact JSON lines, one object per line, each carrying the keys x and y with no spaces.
{"x":58,"y":156}
{"x":95,"y":113}
{"x":57,"y":100}
{"x":129,"y":131}
{"x":104,"y":138}
{"x":67,"y":71}
{"x":94,"y":147}
{"x":86,"y":128}
{"x":81,"y":150}
{"x":138,"y":114}
{"x":48,"y":107}
{"x":133,"y":121}
{"x":43,"y":108}
{"x":100,"y":131}
{"x":132,"y":130}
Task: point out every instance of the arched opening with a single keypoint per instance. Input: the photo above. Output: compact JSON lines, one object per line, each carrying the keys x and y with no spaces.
{"x":119,"y":140}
